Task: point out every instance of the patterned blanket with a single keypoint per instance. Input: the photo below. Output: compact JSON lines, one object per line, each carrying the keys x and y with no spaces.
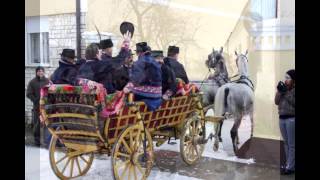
{"x":111,"y":103}
{"x":183,"y":88}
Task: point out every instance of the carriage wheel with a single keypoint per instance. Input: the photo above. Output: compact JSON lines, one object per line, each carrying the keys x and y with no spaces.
{"x":192,"y":133}
{"x":65,"y":166}
{"x":128,"y":159}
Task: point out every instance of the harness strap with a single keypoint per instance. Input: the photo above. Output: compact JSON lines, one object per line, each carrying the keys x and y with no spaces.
{"x":244,"y":82}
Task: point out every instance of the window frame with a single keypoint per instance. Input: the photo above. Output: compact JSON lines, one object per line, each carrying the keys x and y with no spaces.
{"x":34,"y":27}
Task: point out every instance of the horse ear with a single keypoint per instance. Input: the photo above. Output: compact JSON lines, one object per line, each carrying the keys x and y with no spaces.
{"x":246,"y":52}
{"x":221,"y":50}
{"x":212,"y":49}
{"x":235,"y":52}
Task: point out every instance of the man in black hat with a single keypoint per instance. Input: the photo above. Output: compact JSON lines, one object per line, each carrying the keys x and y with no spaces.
{"x":172,"y":61}
{"x":109,"y":64}
{"x":33,"y":93}
{"x":168,"y":76}
{"x":145,"y":78}
{"x":66,"y":73}
{"x":106,"y":46}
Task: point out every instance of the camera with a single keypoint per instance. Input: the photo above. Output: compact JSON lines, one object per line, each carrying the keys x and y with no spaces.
{"x":282,"y":88}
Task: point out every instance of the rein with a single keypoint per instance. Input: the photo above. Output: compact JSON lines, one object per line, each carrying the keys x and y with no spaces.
{"x":206,"y":77}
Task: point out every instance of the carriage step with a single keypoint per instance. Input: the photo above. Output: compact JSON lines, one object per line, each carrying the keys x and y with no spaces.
{"x":160,"y":141}
{"x":214,"y":119}
{"x":164,"y":133}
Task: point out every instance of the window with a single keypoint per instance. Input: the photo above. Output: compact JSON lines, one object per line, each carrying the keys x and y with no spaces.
{"x":38,"y":48}
{"x":267,"y":9}
{"x":37,"y":41}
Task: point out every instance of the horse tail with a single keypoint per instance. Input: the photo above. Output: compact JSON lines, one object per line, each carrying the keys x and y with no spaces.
{"x":220,"y":102}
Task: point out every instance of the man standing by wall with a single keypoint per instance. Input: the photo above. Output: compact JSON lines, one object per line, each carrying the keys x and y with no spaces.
{"x":33,"y":93}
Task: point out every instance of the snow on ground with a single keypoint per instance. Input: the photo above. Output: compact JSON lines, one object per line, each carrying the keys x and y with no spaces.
{"x":37,"y":167}
{"x":224,"y":151}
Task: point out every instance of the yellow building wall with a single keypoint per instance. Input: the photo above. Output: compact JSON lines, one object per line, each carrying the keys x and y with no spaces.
{"x":266,"y":69}
{"x":49,"y":7}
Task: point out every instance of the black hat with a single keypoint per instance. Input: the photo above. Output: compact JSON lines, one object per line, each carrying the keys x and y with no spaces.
{"x":126,"y":26}
{"x":292,"y":74}
{"x":69,"y":53}
{"x":142,"y":47}
{"x":173,"y":50}
{"x":39,"y":68}
{"x":157,"y":53}
{"x":106,"y":43}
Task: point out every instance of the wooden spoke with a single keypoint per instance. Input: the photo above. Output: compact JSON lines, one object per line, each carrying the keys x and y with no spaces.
{"x":129,"y":175}
{"x":83,"y":159}
{"x":121,"y":164}
{"x":190,"y":152}
{"x":137,"y":140}
{"x":125,"y":169}
{"x":139,"y":168}
{"x":78,"y":164}
{"x":196,"y":149}
{"x":122,"y":154}
{"x":71,"y":170}
{"x":65,"y":165}
{"x":126,"y":145}
{"x":131,"y":140}
{"x":187,"y":143}
{"x":134,"y":173}
{"x":71,"y":161}
{"x":61,"y":159}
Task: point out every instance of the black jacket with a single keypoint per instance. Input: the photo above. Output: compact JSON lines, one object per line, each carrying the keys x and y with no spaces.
{"x":109,"y":69}
{"x":89,"y":70}
{"x":66,"y":73}
{"x":33,"y":89}
{"x":177,"y":68}
{"x":168,"y":79}
{"x":120,"y":77}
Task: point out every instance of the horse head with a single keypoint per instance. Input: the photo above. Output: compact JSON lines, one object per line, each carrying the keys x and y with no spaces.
{"x":242,"y":63}
{"x":214,"y":58}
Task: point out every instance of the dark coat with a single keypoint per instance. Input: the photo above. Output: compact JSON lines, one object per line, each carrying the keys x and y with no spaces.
{"x":146,"y":71}
{"x":121,"y":77}
{"x":33,"y":89}
{"x":66,"y":73}
{"x":109,"y":70}
{"x":168,"y":79}
{"x":89,"y":69}
{"x":177,"y":68}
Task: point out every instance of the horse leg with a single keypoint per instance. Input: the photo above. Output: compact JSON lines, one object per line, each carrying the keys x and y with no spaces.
{"x":234,"y":133}
{"x":251,"y":119}
{"x":219,"y":132}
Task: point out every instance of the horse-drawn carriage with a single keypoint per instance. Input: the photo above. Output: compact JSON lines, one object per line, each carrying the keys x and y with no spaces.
{"x":73,"y":118}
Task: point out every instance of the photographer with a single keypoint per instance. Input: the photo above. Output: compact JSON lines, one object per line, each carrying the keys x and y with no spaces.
{"x":285,"y":99}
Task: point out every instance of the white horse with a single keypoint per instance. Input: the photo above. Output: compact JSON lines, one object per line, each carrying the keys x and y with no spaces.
{"x":236,"y":99}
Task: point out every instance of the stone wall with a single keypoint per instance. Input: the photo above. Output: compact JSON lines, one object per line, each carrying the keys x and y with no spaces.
{"x":62,"y":34}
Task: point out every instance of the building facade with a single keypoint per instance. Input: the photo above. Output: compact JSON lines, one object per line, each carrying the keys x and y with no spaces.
{"x":267,"y":29}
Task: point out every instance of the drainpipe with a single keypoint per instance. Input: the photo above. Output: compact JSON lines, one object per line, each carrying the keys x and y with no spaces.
{"x":78,"y":31}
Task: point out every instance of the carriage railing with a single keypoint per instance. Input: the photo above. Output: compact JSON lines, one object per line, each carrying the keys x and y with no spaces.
{"x":77,"y":115}
{"x":73,"y":117}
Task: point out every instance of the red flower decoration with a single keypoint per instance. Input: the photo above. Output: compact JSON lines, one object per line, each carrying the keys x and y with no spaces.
{"x":68,"y":88}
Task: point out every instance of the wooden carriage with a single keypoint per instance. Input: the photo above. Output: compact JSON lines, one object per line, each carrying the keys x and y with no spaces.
{"x":78,"y":132}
